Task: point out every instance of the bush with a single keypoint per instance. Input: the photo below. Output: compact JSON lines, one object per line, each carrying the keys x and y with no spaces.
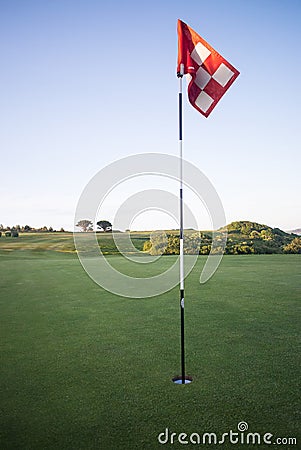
{"x":205,"y":249}
{"x":293,"y":247}
{"x":147,"y":246}
{"x":162,"y":244}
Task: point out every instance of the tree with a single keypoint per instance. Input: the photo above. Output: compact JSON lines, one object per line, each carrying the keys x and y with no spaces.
{"x":104,"y":225}
{"x":293,"y":247}
{"x":84,"y":224}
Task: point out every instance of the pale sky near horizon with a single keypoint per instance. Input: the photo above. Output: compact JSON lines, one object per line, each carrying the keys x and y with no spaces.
{"x":86,"y":83}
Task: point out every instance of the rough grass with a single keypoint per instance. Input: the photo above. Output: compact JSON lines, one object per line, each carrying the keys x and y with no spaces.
{"x":63,"y":242}
{"x":84,"y":369}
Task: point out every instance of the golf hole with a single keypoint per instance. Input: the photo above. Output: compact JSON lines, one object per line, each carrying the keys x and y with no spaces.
{"x":178,"y":380}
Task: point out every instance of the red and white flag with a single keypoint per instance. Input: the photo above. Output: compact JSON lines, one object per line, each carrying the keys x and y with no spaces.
{"x":209,"y":74}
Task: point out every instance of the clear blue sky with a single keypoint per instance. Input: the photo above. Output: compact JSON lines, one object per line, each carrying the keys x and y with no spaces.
{"x":86,"y":82}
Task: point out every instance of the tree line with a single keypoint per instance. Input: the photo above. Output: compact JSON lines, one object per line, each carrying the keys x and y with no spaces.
{"x":29,"y":229}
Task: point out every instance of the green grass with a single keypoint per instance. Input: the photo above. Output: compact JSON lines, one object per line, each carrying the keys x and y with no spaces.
{"x":84,"y":369}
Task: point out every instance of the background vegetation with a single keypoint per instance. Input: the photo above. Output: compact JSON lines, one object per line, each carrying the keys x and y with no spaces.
{"x":244,"y":237}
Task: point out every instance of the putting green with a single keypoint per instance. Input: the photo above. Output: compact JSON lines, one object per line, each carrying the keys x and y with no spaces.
{"x":84,"y":369}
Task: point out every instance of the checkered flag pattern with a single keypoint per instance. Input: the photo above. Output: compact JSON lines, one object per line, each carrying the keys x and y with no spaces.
{"x":208,"y":74}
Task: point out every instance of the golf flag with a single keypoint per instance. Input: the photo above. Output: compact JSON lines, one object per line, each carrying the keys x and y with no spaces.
{"x":209,"y":75}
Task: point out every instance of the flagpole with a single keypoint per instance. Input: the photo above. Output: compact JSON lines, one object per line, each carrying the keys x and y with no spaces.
{"x":182,"y":275}
{"x":183,"y":379}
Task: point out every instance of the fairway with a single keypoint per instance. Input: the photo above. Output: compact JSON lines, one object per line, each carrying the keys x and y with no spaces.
{"x":84,"y":369}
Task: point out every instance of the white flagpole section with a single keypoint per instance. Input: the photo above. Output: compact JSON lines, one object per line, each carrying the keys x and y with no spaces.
{"x":182,"y":274}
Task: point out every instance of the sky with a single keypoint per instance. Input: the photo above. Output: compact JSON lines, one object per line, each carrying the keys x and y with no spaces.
{"x":85,"y":83}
